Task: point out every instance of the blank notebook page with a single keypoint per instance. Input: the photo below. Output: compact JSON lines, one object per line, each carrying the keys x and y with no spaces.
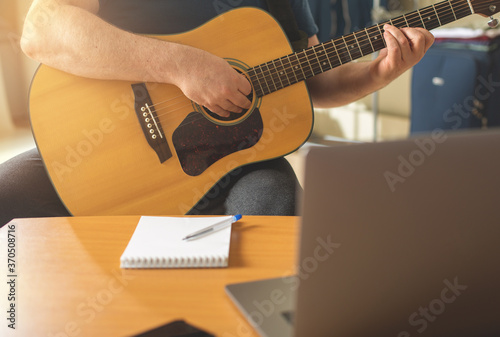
{"x":158,"y":242}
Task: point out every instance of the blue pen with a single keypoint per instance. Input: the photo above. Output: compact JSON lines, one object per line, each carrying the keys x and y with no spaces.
{"x":215,"y":227}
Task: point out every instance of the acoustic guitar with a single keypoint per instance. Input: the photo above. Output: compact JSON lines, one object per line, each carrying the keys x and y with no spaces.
{"x":124,"y":148}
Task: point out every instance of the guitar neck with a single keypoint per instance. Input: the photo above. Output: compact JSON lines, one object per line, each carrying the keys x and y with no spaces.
{"x":285,"y":71}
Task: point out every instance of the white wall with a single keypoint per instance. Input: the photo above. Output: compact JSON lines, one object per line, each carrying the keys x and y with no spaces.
{"x":17,"y":69}
{"x":6,"y":125}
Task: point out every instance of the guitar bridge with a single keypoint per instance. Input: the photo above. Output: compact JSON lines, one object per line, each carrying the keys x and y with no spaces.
{"x":150,"y":124}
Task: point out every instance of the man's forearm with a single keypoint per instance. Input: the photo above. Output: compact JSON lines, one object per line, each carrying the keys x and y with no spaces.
{"x":77,"y":41}
{"x":342,"y":85}
{"x":352,"y":81}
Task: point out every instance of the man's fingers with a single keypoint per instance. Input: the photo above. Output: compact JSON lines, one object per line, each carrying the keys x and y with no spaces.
{"x":219,"y":111}
{"x":400,"y":37}
{"x":244,"y":86}
{"x":428,"y":38}
{"x":407,"y":43}
{"x":224,"y":108}
{"x":392,"y":42}
{"x":229,"y":106}
{"x":241,"y":101}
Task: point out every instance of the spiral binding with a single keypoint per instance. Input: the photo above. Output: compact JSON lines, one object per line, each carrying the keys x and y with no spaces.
{"x":175,"y":262}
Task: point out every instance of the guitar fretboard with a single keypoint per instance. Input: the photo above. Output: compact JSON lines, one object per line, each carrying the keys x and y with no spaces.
{"x":285,"y":71}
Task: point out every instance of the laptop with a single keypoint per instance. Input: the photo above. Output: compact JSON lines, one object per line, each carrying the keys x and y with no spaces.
{"x":398,"y":239}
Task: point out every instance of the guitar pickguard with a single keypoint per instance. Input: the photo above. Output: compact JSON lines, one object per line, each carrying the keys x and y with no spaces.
{"x":199,"y":142}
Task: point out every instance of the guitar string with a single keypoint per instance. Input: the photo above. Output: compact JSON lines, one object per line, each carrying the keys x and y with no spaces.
{"x":170,"y":112}
{"x":168,"y":100}
{"x":171,"y":100}
{"x":447,"y":16}
{"x":415,"y":16}
{"x":366,"y":39}
{"x":318,"y":68}
{"x":418,"y":17}
{"x":410,"y":19}
{"x":183,"y":99}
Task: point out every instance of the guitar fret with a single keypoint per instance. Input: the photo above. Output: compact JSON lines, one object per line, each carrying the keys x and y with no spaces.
{"x":462,"y":10}
{"x":436,"y":21}
{"x":313,"y":61}
{"x":444,"y":7}
{"x":271,"y":76}
{"x":330,"y":54}
{"x":451,"y":7}
{"x":369,"y":39}
{"x":304,"y":52}
{"x":342,"y":55}
{"x":366,"y":44}
{"x":304,"y":64}
{"x":470,"y":6}
{"x":336,"y":51}
{"x":437,"y":16}
{"x":268,"y":78}
{"x":322,"y":58}
{"x":291,"y":68}
{"x":381,"y":36}
{"x":347,"y":48}
{"x":423,"y":24}
{"x":298,"y":66}
{"x":307,"y":64}
{"x":265,"y":81}
{"x":282,"y":70}
{"x":326,"y":55}
{"x":359,"y":46}
{"x":398,"y":22}
{"x":253,"y":80}
{"x":414,"y":19}
{"x":277,"y":72}
{"x":373,"y":37}
{"x":258,"y":82}
{"x":427,"y":15}
{"x":320,"y":63}
{"x":342,"y":50}
{"x":406,"y":21}
{"x":353,"y":47}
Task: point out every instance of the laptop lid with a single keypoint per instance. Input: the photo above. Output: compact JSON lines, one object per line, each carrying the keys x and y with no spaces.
{"x":400,"y":239}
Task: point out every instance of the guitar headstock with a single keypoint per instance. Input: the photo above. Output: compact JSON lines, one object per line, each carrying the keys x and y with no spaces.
{"x":485,"y":7}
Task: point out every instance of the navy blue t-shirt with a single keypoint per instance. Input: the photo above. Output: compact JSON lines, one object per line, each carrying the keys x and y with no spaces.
{"x":176,"y":16}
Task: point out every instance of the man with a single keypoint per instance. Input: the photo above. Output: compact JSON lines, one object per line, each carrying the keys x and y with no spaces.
{"x":97,"y":39}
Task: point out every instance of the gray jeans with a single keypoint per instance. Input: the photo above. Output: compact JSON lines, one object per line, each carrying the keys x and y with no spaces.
{"x":265,"y":188}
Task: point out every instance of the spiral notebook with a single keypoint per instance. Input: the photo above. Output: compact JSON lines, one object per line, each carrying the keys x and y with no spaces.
{"x":157,"y":243}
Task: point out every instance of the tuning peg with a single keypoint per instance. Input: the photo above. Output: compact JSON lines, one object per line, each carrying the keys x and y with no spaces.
{"x":493,"y":22}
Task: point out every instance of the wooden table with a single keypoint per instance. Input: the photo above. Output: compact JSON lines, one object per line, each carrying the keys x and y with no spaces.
{"x":69,"y":281}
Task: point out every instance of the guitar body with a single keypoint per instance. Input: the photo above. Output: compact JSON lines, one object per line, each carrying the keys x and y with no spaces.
{"x":95,"y":146}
